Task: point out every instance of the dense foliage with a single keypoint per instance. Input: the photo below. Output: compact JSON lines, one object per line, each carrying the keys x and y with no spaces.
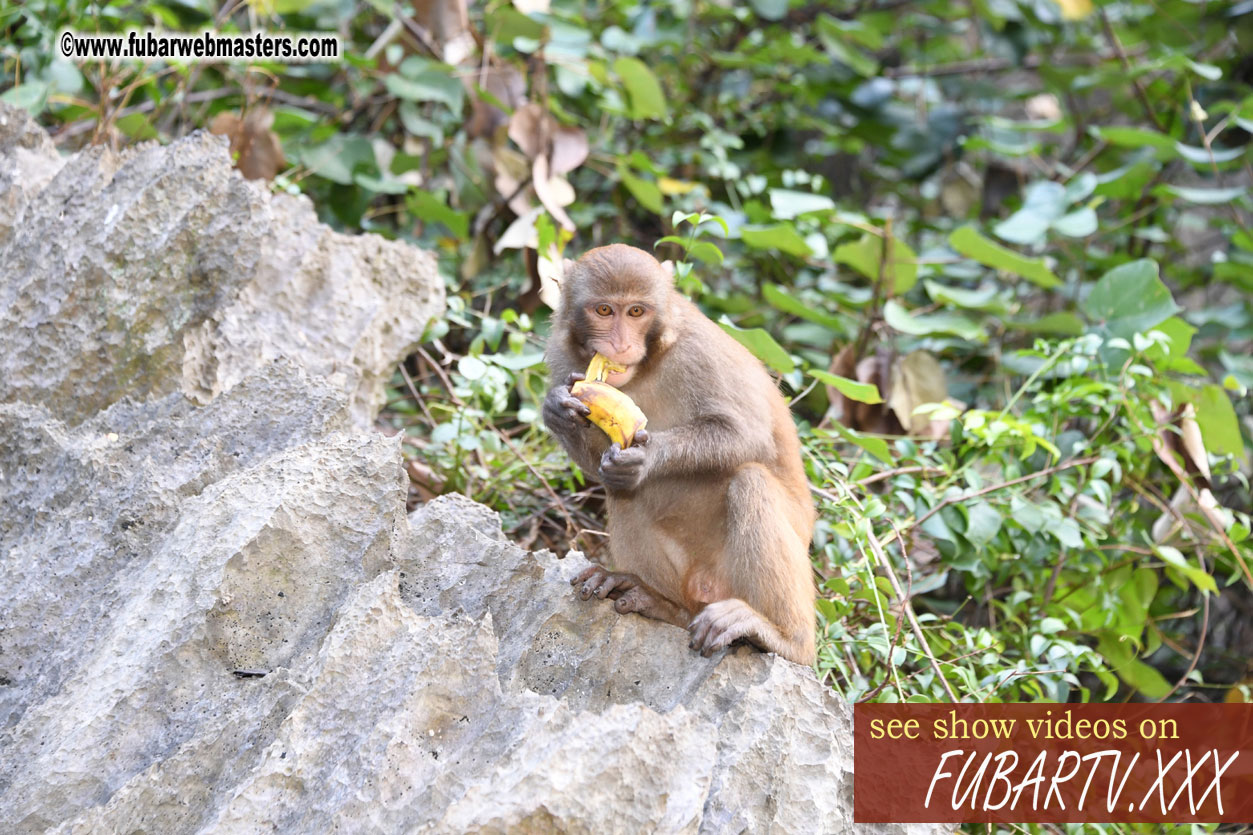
{"x":1022,"y":225}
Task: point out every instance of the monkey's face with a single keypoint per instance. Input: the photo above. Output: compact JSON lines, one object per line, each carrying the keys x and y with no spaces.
{"x":618,"y":301}
{"x":618,"y":328}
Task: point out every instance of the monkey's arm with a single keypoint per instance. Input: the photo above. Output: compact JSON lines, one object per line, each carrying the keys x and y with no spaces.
{"x":708,"y":444}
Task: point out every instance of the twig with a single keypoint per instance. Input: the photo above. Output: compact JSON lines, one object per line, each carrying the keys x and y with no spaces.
{"x":886,"y":474}
{"x":1200,"y":641}
{"x":907,"y":607}
{"x":992,"y":488}
{"x":413,"y":390}
{"x":991,"y":65}
{"x":1126,"y":65}
{"x":873,"y":313}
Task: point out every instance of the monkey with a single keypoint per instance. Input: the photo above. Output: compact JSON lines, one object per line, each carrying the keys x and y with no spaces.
{"x":709,"y":511}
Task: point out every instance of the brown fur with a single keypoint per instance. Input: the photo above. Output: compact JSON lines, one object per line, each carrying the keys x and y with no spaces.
{"x":715,"y":535}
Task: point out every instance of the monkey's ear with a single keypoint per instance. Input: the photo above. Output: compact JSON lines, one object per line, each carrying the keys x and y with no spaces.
{"x":668,"y":266}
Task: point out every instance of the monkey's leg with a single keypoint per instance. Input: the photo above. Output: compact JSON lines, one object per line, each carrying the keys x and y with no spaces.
{"x":768,"y":572}
{"x":629,"y":594}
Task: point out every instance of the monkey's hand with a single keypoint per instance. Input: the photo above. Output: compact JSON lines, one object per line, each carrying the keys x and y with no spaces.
{"x":563,"y":412}
{"x":624,"y":469}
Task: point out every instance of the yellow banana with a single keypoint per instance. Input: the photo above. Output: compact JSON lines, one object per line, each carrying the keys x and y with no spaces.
{"x":614,"y":412}
{"x":599,"y":369}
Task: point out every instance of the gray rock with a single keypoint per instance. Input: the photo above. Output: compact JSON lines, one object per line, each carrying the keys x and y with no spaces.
{"x":216,"y":616}
{"x":161,"y":270}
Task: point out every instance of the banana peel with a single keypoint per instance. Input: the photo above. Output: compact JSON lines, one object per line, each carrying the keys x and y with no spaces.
{"x":614,"y":412}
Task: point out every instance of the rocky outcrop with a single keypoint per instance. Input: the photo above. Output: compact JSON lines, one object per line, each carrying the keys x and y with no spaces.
{"x":216,"y":616}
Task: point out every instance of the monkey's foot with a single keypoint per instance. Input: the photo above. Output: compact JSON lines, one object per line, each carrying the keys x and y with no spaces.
{"x":628,"y":593}
{"x":603,"y":583}
{"x":725,"y":621}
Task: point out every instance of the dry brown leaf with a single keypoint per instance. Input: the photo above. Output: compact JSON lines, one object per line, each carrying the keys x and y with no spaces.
{"x":1190,"y":438}
{"x":1044,"y":107}
{"x":507,"y":85}
{"x":550,"y":192}
{"x":425,"y":481}
{"x":527,"y":127}
{"x":917,"y":378}
{"x":512,"y":169}
{"x":873,"y":417}
{"x":255,"y":148}
{"x":864,"y":417}
{"x":569,"y":149}
{"x":922,"y":549}
{"x":551,"y":271}
{"x":477,"y":260}
{"x":447,"y":22}
{"x":1186,"y":443}
{"x":841,"y":365}
{"x":519,"y":234}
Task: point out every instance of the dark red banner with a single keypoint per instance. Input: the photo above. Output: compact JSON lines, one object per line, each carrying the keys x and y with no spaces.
{"x":1053,"y":763}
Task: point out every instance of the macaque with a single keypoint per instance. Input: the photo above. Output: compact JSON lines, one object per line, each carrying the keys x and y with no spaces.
{"x":710,"y":515}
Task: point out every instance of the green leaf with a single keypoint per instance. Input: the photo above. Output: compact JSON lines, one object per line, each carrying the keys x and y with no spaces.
{"x":1078,"y":224}
{"x":984,"y":523}
{"x":780,"y":236}
{"x":645,"y":191}
{"x":770,"y":9}
{"x":1128,"y":137}
{"x":787,"y":204}
{"x":1122,"y":660}
{"x":29,"y":96}
{"x":705,"y":251}
{"x":516,"y":362}
{"x":137,"y":127}
{"x":430,"y":85}
{"x":762,"y":346}
{"x":1130,"y":299}
{"x":875,"y":446}
{"x":432,"y":208}
{"x":1204,"y":196}
{"x":1203,"y":157}
{"x":647,"y":99}
{"x":968,"y":242}
{"x":339,"y":157}
{"x":1061,"y":324}
{"x":1199,"y":577}
{"x":505,"y":23}
{"x":853,"y":390}
{"x":1240,"y":367}
{"x":930,"y":324}
{"x":1045,"y":201}
{"x":1216,"y":418}
{"x":779,"y":298}
{"x":1180,"y":334}
{"x":1126,"y":183}
{"x":866,"y":253}
{"x":987,"y":298}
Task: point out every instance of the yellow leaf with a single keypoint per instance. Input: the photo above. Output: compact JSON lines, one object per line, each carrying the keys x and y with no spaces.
{"x":669,"y":185}
{"x":1075,"y":9}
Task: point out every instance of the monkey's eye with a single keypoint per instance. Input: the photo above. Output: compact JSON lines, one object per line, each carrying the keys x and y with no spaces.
{"x":603,"y":310}
{"x":636,"y":311}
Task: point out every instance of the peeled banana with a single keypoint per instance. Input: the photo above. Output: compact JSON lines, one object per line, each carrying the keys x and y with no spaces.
{"x":614,"y":412}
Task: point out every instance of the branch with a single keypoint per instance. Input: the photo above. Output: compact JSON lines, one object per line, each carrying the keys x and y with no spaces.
{"x":1076,"y":462}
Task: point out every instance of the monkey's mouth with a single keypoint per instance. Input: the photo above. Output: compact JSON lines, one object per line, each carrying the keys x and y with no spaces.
{"x":618,"y":379}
